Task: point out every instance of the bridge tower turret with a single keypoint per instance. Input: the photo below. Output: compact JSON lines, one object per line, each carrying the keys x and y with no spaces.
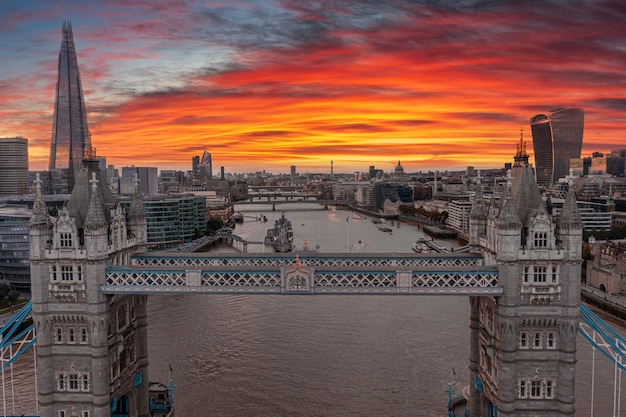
{"x":91,"y":348}
{"x":523,"y":343}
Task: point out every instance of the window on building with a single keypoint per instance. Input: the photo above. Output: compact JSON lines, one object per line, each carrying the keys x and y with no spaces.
{"x":537,"y":340}
{"x":71,"y":336}
{"x":550,"y":389}
{"x":535,"y":389}
{"x":67,"y":273}
{"x":541,"y":239}
{"x":62,"y":413}
{"x":551,"y":341}
{"x":523,"y":340}
{"x":85,"y":382}
{"x":539,"y":274}
{"x":59,"y":335}
{"x":66,"y":239}
{"x":85,"y":413}
{"x":83,"y":335}
{"x":53,"y":272}
{"x":555,"y":275}
{"x":79,"y":273}
{"x":115,"y":365}
{"x":121,"y":317}
{"x":522,"y":389}
{"x":72,"y":382}
{"x":525,"y":274}
{"x":60,"y":382}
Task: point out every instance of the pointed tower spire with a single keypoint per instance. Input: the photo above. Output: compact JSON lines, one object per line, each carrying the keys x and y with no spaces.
{"x":40,"y":210}
{"x":570,"y":217}
{"x":95,"y":213}
{"x":509,"y":218}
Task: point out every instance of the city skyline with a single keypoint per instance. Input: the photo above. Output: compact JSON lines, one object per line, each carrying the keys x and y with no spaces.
{"x":265,"y":85}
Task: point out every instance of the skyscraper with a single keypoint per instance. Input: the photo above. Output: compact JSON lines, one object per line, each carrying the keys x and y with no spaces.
{"x":14,"y":167}
{"x":557,"y":138}
{"x":70,"y":133}
{"x":206,"y":166}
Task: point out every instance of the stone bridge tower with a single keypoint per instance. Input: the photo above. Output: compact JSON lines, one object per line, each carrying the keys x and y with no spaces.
{"x":523,"y":344}
{"x":92,"y":356}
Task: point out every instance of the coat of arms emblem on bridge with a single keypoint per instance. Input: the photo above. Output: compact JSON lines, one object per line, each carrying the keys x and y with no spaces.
{"x":297,"y":277}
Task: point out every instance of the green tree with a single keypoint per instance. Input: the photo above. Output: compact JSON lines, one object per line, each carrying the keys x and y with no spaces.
{"x":213,"y":225}
{"x":12,"y":296}
{"x":4,"y":290}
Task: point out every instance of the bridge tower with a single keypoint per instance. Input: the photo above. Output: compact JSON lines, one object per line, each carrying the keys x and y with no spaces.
{"x":92,"y":357}
{"x":523,"y":344}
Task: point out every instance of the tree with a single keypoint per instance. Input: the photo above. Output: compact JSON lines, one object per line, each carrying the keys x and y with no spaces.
{"x":4,"y":290}
{"x":12,"y":296}
{"x":213,"y":225}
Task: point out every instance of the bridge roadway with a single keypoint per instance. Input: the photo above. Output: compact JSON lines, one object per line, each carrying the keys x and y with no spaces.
{"x":304,"y":273}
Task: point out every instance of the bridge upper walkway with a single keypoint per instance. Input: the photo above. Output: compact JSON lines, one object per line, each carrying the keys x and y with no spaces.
{"x":304,"y":273}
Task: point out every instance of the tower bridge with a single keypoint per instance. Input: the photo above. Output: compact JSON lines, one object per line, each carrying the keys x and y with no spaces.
{"x":91,"y":276}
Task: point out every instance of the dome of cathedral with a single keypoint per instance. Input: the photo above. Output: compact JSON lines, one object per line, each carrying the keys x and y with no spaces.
{"x":398,"y":168}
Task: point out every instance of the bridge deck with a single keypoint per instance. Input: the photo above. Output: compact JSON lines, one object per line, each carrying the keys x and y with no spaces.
{"x":307,"y":273}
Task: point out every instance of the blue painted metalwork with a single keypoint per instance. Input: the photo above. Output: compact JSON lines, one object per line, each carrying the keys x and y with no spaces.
{"x":12,"y":335}
{"x":610,"y":343}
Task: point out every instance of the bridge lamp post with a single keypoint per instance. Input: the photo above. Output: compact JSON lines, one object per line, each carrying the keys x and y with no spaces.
{"x":348,"y":234}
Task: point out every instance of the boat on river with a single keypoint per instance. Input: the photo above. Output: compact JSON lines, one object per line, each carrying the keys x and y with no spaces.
{"x":281,"y":236}
{"x":421,"y":246}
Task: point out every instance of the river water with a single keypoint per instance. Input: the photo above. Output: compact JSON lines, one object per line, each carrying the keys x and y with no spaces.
{"x":252,"y":355}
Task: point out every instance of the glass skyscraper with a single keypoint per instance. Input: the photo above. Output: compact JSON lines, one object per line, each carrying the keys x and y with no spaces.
{"x":206,"y":166}
{"x":70,"y":133}
{"x":557,"y":138}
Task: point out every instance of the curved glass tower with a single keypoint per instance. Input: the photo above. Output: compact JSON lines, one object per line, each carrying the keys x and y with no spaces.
{"x":557,"y":137}
{"x":70,"y":133}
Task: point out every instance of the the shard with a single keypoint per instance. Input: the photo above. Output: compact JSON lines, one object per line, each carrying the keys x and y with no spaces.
{"x":70,"y":133}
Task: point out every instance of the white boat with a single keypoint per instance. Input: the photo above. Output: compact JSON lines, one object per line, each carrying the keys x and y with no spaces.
{"x":420,"y":246}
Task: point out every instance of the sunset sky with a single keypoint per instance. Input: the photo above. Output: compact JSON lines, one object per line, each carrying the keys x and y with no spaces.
{"x":263,"y":85}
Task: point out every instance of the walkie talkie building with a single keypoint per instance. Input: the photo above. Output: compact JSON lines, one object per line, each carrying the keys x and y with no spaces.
{"x":557,"y":138}
{"x":70,"y":133}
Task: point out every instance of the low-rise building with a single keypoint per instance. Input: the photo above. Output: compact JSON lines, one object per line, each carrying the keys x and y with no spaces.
{"x":607,"y":271}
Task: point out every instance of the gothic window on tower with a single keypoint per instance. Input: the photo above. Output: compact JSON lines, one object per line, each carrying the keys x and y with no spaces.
{"x":65,"y":239}
{"x":523,"y":340}
{"x":58,"y":335}
{"x":535,"y":389}
{"x":71,"y":335}
{"x":551,"y":340}
{"x":72,"y":382}
{"x":541,"y":239}
{"x":67,"y":273}
{"x":525,"y":273}
{"x":53,"y":272}
{"x":539,"y":274}
{"x":121,"y":317}
{"x":537,"y":340}
{"x":62,"y":413}
{"x":83,"y":335}
{"x":555,"y":274}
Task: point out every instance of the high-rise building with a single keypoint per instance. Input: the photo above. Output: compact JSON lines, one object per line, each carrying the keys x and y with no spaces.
{"x":14,"y":166}
{"x":206,"y":166}
{"x":557,"y":138}
{"x":70,"y":133}
{"x":147,"y":177}
{"x":195,"y":161}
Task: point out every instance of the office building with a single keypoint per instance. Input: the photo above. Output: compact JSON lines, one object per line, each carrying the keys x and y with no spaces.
{"x":557,"y":138}
{"x":206,"y":166}
{"x":14,"y":166}
{"x":70,"y":133}
{"x":147,"y":176}
{"x":14,"y":246}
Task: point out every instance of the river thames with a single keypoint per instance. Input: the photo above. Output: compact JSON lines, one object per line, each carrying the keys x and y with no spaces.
{"x":251,"y":355}
{"x":309,"y":356}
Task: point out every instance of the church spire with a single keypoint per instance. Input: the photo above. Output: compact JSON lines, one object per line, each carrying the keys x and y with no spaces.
{"x":95,"y":214}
